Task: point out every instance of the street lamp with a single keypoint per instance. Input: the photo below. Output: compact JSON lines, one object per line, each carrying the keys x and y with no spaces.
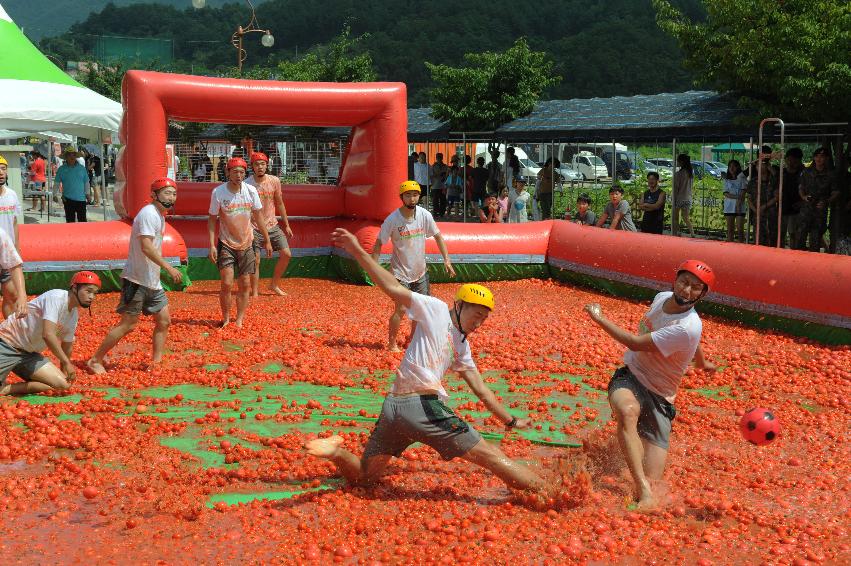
{"x":267,"y":40}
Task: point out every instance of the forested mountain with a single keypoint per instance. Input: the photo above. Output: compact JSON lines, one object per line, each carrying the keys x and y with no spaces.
{"x":601,"y":48}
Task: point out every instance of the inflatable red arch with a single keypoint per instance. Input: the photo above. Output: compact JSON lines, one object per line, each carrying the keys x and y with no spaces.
{"x":799,"y":292}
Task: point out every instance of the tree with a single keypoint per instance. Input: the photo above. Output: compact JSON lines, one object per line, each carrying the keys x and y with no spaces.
{"x":787,"y":58}
{"x":493,"y":88}
{"x":103,"y":79}
{"x":342,"y":60}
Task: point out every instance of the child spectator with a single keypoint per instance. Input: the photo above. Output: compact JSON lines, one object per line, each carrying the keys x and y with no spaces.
{"x":491,"y":212}
{"x":734,"y":194}
{"x":653,"y":205}
{"x":518,"y":198}
{"x":619,"y":212}
{"x":454,"y":186}
{"x":583,"y":215}
{"x":503,"y":203}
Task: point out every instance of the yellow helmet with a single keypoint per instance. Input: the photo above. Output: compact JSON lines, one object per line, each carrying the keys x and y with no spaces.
{"x":475,"y":294}
{"x":409,"y":186}
{"x":3,"y":161}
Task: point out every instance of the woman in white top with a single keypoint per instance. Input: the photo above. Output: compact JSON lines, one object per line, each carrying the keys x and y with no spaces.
{"x":682,"y":194}
{"x":421,"y":172}
{"x":735,"y":184}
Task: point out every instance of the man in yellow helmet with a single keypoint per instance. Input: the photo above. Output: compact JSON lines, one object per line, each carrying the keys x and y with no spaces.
{"x":408,"y":227}
{"x":414,"y":411}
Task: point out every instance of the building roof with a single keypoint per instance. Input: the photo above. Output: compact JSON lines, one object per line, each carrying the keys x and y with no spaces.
{"x":692,"y":114}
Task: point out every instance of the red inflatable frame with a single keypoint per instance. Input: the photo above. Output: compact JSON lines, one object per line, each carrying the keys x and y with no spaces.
{"x":374,"y":163}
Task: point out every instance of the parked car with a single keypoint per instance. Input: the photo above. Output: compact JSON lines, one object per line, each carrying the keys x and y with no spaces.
{"x":589,"y":166}
{"x":569,"y":174}
{"x":712,"y":169}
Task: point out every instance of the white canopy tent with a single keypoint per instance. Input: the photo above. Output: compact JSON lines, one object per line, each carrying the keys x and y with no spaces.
{"x":36,"y":96}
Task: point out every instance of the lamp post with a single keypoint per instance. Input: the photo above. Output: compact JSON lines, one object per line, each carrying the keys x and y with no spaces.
{"x":267,"y":40}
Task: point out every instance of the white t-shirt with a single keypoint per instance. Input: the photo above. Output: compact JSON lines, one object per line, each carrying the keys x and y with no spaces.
{"x":10,"y":207}
{"x":26,"y":333}
{"x":517,"y":206}
{"x":234,"y":212}
{"x":435,"y":347}
{"x":735,"y":187}
{"x":9,"y":256}
{"x":408,"y":236}
{"x":677,"y":336}
{"x":140,"y":269}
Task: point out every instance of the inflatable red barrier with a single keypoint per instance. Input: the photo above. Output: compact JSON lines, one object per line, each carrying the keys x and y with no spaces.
{"x":374,"y":163}
{"x":87,"y":242}
{"x":793,"y":284}
{"x":301,"y":200}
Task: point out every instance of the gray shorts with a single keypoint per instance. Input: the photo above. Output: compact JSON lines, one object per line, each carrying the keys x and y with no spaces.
{"x":23,"y":364}
{"x":657,"y":414}
{"x":421,"y":286}
{"x":138,"y":299}
{"x":276,"y":236}
{"x":243,"y":262}
{"x":5,"y":276}
{"x":419,"y":418}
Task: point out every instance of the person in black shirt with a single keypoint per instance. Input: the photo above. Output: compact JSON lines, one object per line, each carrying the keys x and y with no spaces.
{"x":790,"y":209}
{"x":653,"y":205}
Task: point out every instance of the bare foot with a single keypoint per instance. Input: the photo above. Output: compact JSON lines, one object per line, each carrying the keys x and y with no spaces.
{"x":224,"y":323}
{"x":95,"y":367}
{"x":255,"y":294}
{"x":277,"y":290}
{"x":324,"y":447}
{"x":646,"y":503}
{"x":394,"y":348}
{"x":238,"y":323}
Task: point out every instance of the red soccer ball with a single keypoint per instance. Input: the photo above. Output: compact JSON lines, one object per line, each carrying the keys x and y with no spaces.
{"x":759,"y":426}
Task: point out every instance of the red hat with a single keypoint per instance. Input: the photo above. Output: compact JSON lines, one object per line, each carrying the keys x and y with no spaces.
{"x":700,"y":270}
{"x":162,"y":183}
{"x":86,"y":278}
{"x":259,"y":156}
{"x":237,"y":162}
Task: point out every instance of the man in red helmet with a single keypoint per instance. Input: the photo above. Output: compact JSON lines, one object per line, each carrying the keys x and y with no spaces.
{"x":141,"y":289}
{"x":236,"y":206}
{"x":641,"y":393}
{"x":50,"y":322}
{"x":269,"y":190}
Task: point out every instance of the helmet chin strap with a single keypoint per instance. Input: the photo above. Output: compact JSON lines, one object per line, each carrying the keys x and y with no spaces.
{"x":682,"y":302}
{"x":79,"y":302}
{"x":165,"y":205}
{"x":458,"y":318}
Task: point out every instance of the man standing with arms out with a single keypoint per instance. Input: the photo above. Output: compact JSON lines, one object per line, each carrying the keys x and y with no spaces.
{"x":49,"y":321}
{"x":141,"y":289}
{"x":235,"y":205}
{"x":72,"y":180}
{"x":642,"y":392}
{"x":414,"y":411}
{"x":10,"y":207}
{"x":408,"y":227}
{"x":269,"y":190}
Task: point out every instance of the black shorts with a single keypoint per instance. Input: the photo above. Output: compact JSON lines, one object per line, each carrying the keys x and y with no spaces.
{"x":243,"y":262}
{"x":657,"y":414}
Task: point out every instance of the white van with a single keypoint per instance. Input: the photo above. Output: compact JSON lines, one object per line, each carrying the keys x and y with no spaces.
{"x":529,"y":169}
{"x":589,"y":166}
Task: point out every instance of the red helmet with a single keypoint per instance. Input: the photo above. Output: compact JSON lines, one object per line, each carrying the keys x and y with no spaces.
{"x":237,"y":162}
{"x":259,"y":156}
{"x":86,"y":278}
{"x":700,"y":270}
{"x":162,"y":183}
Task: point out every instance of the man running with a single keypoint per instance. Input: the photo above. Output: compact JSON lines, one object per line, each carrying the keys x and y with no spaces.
{"x":415,"y":410}
{"x":235,"y":205}
{"x":141,"y":289}
{"x":269,"y":190}
{"x":50,"y":322}
{"x":641,"y":393}
{"x":408,"y":227}
{"x":10,"y":207}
